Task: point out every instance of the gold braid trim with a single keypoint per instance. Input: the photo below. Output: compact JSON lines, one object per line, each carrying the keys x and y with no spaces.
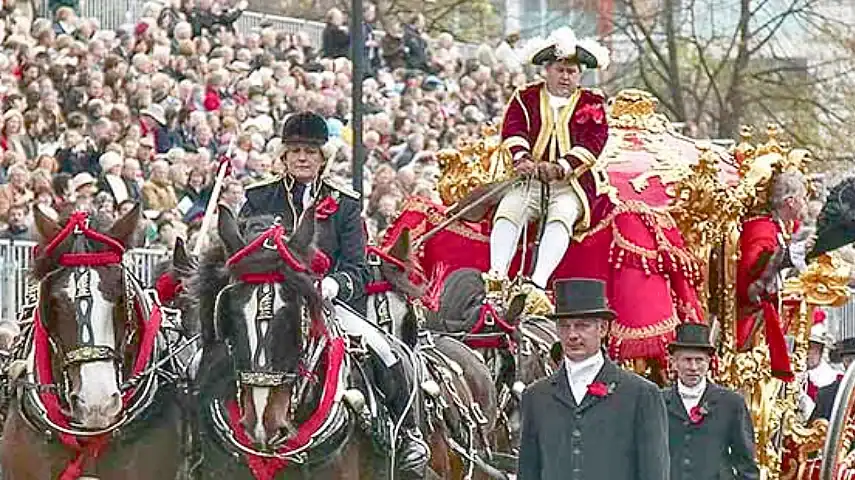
{"x":667,"y":325}
{"x":516,"y":141}
{"x":435,"y":217}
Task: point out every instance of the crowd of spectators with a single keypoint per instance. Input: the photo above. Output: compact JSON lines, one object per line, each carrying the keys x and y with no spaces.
{"x":100,"y":119}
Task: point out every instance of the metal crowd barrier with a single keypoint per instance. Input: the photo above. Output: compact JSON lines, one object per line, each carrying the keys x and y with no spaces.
{"x":16,"y":281}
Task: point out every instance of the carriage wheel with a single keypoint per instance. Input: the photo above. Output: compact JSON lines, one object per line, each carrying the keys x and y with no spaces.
{"x":841,"y":429}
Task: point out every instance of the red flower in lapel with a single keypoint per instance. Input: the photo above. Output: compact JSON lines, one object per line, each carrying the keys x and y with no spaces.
{"x":590,"y":112}
{"x":599,"y":389}
{"x":697,"y":414}
{"x":325,"y":208}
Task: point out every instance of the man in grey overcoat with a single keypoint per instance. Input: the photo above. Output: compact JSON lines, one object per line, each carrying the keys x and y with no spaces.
{"x":591,"y":420}
{"x":711,"y":436}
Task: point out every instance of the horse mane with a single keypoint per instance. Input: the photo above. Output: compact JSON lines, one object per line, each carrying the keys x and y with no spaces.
{"x":204,"y":286}
{"x":460,"y":303}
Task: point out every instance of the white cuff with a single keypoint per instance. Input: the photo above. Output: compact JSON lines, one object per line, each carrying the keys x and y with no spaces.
{"x":568,"y":170}
{"x":329,"y":288}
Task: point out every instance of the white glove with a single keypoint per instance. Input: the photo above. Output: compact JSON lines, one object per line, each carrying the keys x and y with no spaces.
{"x":329,"y":288}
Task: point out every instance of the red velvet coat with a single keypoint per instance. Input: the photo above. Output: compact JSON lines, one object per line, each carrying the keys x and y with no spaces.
{"x":758,"y":242}
{"x":527,"y":129}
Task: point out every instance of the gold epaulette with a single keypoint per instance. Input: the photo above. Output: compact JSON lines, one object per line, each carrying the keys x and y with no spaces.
{"x":262,"y":183}
{"x":341,"y":187}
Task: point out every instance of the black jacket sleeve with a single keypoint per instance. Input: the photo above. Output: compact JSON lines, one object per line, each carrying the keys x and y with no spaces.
{"x":350,"y":269}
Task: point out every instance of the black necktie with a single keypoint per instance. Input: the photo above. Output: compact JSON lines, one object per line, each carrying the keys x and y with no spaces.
{"x":297,"y":192}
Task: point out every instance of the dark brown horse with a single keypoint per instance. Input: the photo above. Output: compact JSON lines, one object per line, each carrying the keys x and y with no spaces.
{"x":90,"y":401}
{"x":275,"y":398}
{"x":519,"y":350}
{"x":454,"y":376}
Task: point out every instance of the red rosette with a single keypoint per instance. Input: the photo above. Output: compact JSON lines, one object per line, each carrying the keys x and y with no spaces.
{"x":326,"y":208}
{"x":598,"y":389}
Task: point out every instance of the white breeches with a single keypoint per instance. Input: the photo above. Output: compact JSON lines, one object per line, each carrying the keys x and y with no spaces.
{"x":353,"y":324}
{"x":522,"y":203}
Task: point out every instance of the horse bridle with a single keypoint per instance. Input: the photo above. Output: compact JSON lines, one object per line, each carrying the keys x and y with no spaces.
{"x":260,"y":373}
{"x":142,"y":385}
{"x":82,"y":264}
{"x":382,"y":306}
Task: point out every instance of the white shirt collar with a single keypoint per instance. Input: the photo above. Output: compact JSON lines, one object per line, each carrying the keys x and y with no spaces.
{"x":581,"y":374}
{"x":823,"y":375}
{"x":692,"y":392}
{"x":691,"y":396}
{"x":557,"y":102}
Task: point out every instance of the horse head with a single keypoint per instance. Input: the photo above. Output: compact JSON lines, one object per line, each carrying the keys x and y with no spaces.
{"x":86,"y":311}
{"x":402,"y":280}
{"x":261,"y":316}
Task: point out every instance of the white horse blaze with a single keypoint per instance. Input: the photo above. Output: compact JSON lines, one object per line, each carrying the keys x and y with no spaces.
{"x":259,"y":395}
{"x":99,"y":388}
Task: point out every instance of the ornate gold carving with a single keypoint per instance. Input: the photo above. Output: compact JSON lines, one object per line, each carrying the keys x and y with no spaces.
{"x":636,"y":109}
{"x":537,"y":303}
{"x":825,"y":283}
{"x":473,"y":165}
{"x":710,"y":214}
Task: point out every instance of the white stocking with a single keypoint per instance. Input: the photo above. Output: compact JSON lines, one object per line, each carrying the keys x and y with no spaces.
{"x":503,"y":244}
{"x":552,"y":248}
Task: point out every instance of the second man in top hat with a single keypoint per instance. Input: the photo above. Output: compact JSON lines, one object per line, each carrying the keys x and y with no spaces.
{"x":590,"y":419}
{"x":710,"y":434}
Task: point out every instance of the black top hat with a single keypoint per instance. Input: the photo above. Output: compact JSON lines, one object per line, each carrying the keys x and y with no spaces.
{"x":305,"y":127}
{"x":692,"y":335}
{"x":581,"y":298}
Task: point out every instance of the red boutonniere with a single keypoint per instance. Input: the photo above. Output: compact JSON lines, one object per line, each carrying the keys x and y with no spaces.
{"x":600,"y":389}
{"x":697,"y":414}
{"x":325,"y":208}
{"x":590,"y":113}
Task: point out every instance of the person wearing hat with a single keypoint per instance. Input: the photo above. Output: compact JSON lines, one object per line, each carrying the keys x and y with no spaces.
{"x":153,"y":123}
{"x":339,"y":235}
{"x":826,"y":395}
{"x":555,"y":131}
{"x":710,"y":434}
{"x":590,"y":419}
{"x":111,"y":180}
{"x":819,"y":372}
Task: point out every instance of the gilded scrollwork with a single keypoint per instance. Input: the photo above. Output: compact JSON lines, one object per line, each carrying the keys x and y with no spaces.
{"x":473,"y":165}
{"x":709,"y":213}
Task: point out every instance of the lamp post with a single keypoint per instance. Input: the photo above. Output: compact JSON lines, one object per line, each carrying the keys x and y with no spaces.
{"x":357,"y":53}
